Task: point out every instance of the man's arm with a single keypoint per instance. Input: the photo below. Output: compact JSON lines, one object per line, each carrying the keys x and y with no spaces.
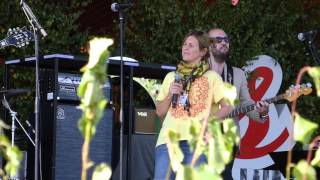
{"x":224,"y":110}
{"x":259,"y":114}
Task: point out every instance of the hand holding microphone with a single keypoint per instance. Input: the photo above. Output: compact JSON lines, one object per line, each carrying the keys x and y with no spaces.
{"x":175,"y":90}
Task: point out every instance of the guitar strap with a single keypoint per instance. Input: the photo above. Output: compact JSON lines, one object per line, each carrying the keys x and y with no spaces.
{"x":227,"y":74}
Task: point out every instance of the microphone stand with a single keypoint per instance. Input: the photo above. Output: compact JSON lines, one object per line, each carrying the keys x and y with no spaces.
{"x":14,"y":118}
{"x":36,"y":29}
{"x":119,"y":8}
{"x":121,"y":27}
{"x":313,"y":50}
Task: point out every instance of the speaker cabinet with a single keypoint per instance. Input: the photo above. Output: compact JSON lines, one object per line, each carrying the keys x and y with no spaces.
{"x":145,"y":121}
{"x":61,"y":140}
{"x":62,"y":151}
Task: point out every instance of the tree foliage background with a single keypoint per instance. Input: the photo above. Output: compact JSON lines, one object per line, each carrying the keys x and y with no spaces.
{"x":154,"y":31}
{"x":59,"y":19}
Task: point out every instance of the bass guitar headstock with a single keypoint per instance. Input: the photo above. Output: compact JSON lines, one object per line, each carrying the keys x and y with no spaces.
{"x":296,"y":91}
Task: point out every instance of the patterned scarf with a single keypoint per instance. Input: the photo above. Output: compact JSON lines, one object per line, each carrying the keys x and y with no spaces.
{"x":185,"y":69}
{"x":189,"y":72}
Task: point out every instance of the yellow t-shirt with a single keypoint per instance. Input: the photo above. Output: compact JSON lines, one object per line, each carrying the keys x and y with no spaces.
{"x":205,"y":89}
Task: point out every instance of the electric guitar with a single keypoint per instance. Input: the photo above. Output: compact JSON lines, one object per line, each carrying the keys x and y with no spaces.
{"x":17,"y":37}
{"x":291,"y":94}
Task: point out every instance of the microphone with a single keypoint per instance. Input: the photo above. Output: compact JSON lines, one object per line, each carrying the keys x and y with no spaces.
{"x":306,"y":35}
{"x":32,"y":17}
{"x":115,"y":7}
{"x":174,"y":100}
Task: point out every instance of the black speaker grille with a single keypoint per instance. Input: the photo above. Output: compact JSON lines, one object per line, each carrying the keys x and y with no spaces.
{"x":69,"y":143}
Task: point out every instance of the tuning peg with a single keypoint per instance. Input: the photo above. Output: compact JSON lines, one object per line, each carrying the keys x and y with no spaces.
{"x":9,"y":31}
{"x":309,"y":84}
{"x":291,"y":86}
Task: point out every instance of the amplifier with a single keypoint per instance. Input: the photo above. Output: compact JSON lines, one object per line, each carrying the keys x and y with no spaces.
{"x":145,"y":121}
{"x":62,"y":142}
{"x":67,"y":87}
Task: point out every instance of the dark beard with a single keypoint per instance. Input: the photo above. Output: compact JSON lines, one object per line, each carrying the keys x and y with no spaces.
{"x":221,"y":57}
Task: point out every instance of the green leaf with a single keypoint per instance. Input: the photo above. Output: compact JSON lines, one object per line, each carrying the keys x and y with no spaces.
{"x":303,"y":129}
{"x":230,"y":93}
{"x":14,"y":157}
{"x":93,"y":101}
{"x":101,"y":172}
{"x":304,"y":168}
{"x":316,"y":159}
{"x":87,"y":77}
{"x":314,"y":72}
{"x":188,"y":173}
{"x":220,"y":146}
{"x":173,"y":136}
{"x":3,"y":125}
{"x":98,"y":48}
{"x":90,"y":89}
{"x":175,"y":153}
{"x":195,"y":132}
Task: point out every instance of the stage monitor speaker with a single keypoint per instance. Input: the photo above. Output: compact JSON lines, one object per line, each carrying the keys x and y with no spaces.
{"x":67,"y":144}
{"x":145,"y":121}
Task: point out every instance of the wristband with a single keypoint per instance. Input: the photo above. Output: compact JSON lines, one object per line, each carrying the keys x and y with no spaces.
{"x":263,"y":116}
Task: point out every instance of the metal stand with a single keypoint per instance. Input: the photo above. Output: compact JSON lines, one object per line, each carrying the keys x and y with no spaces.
{"x":119,"y":8}
{"x":37,"y":28}
{"x":14,"y":118}
{"x":313,"y":50}
{"x":121,"y":25}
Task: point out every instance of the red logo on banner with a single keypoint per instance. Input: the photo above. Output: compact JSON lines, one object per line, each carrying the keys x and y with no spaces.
{"x":256,"y":131}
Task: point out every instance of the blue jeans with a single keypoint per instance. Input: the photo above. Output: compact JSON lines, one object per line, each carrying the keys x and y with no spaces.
{"x":162,"y":160}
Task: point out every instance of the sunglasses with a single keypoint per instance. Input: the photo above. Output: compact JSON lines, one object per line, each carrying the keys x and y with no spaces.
{"x":219,"y":39}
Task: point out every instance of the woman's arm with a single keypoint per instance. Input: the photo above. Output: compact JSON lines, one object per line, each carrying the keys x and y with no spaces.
{"x":162,"y":107}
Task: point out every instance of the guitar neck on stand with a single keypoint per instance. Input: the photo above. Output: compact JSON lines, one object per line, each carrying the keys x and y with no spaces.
{"x":17,"y":37}
{"x":3,"y":43}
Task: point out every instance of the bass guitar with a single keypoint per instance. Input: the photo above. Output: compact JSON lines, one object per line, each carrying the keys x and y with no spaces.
{"x":291,"y":94}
